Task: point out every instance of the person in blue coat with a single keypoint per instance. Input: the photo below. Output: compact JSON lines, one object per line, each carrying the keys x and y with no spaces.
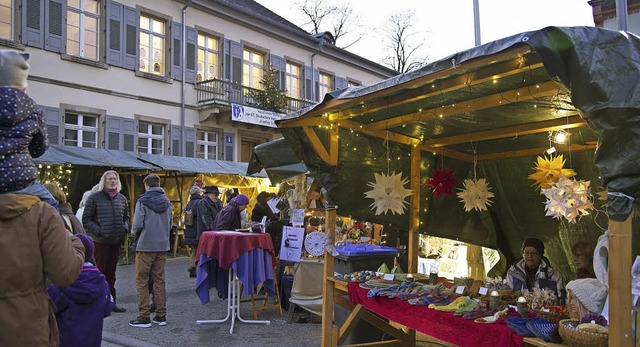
{"x":82,"y":306}
{"x":229,"y":217}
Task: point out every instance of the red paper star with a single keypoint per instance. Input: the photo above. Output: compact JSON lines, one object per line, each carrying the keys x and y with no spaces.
{"x":442,"y":182}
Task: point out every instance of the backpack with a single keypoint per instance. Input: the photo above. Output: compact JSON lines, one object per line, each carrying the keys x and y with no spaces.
{"x":188,"y":217}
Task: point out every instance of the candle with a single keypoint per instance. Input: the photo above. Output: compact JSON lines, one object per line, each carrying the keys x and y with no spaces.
{"x":523,"y":308}
{"x":409,"y":278}
{"x":494,"y":300}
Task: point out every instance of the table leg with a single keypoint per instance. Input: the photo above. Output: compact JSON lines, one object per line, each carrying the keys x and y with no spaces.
{"x":233,"y":305}
{"x":230,"y":303}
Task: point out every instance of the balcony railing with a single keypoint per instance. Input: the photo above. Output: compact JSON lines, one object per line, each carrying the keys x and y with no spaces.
{"x":226,"y":92}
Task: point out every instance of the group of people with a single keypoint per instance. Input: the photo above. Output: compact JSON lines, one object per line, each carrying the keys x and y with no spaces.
{"x":586,"y":294}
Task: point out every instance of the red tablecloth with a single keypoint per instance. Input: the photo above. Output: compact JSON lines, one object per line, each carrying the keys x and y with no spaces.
{"x":441,"y":325}
{"x":227,"y":246}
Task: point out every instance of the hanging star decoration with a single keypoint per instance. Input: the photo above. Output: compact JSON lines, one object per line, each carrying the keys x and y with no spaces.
{"x":548,"y":171}
{"x":442,"y":182}
{"x":388,"y":193}
{"x":568,"y":198}
{"x":476,"y":194}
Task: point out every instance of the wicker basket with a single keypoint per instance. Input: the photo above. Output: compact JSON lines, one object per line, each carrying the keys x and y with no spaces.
{"x":552,"y":317}
{"x":578,"y":338}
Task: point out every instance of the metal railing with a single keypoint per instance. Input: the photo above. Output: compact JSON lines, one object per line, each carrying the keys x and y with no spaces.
{"x":227,"y":93}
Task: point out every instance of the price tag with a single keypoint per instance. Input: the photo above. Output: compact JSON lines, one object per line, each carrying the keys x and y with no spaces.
{"x":460,"y":289}
{"x":483,"y":290}
{"x":389,"y":277}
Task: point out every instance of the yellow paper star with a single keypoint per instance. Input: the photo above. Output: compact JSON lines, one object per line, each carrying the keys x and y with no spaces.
{"x":548,"y":171}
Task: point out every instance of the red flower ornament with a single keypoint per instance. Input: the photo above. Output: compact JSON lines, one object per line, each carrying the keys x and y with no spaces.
{"x":442,"y":182}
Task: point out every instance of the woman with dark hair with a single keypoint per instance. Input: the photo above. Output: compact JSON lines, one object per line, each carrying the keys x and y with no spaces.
{"x":262,"y":209}
{"x":582,"y":252}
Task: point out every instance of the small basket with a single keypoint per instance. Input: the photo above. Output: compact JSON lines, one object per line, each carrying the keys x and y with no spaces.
{"x":552,"y":317}
{"x":579,"y":338}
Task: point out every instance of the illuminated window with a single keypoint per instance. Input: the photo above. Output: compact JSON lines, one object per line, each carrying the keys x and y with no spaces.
{"x":150,"y":138}
{"x":80,"y":130}
{"x":207,"y":144}
{"x":293,"y":80}
{"x":252,"y":69}
{"x":207,"y":57}
{"x":83,"y":18}
{"x":152,"y":38}
{"x":6,"y":19}
{"x":325,"y":84}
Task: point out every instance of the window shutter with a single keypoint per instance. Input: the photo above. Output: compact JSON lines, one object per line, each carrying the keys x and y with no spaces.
{"x":120,"y":133}
{"x":176,"y":50}
{"x":307,"y":83}
{"x":175,"y":140}
{"x":236,"y":61}
{"x":54,"y":26}
{"x":129,"y":134}
{"x":278,"y":64}
{"x":227,"y":153}
{"x":190,"y":142}
{"x":341,"y":83}
{"x":226,"y":51}
{"x":53,"y":120}
{"x":33,"y":23}
{"x":115,"y":34}
{"x":190,"y":59}
{"x":131,"y":20}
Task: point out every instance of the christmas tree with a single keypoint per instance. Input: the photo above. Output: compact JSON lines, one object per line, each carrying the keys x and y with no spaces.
{"x":270,"y":97}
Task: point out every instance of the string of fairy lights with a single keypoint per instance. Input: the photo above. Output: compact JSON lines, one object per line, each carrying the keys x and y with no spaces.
{"x":58,"y":174}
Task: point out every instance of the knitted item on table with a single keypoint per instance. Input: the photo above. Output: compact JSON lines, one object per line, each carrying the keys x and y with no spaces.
{"x":519,"y":325}
{"x":468,"y":306}
{"x":456,"y":304}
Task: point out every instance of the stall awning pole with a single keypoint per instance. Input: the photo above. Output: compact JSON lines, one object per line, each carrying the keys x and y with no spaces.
{"x":620,"y":237}
{"x":414,"y":210}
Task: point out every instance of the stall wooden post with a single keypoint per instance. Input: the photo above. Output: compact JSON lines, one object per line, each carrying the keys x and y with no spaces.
{"x":414,"y":210}
{"x":620,"y":328}
{"x":327,"y":286}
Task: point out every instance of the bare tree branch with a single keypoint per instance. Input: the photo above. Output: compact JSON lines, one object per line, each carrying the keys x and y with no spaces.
{"x":403,"y":43}
{"x":315,"y":11}
{"x":341,"y":21}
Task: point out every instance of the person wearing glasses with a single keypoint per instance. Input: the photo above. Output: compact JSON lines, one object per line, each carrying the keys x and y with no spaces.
{"x":533,"y":270}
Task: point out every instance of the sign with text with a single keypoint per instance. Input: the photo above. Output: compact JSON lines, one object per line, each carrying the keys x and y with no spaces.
{"x":291,"y":247}
{"x":246,"y":114}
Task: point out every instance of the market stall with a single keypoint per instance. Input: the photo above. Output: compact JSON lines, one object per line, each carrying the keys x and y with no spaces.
{"x":487,"y":113}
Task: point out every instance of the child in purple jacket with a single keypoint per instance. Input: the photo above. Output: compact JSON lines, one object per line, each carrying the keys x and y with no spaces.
{"x":82,"y":306}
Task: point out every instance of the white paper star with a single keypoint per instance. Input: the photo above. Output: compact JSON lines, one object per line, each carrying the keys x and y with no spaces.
{"x":568,"y":198}
{"x":388,"y":193}
{"x":475,"y":194}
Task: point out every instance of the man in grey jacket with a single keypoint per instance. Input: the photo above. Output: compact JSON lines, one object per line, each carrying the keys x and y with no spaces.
{"x":152,"y":224}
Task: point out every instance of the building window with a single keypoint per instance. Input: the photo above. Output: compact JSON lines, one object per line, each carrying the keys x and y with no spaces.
{"x":152,"y":38}
{"x":207,"y":145}
{"x":207,"y":57}
{"x":83,"y":18}
{"x":150,"y":138}
{"x":293,"y":80}
{"x":80,"y":130}
{"x":353,"y":83}
{"x":325,"y":84}
{"x":6,"y":19}
{"x":252,"y":69}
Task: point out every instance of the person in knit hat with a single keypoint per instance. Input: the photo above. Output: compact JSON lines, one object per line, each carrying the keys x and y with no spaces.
{"x":585,"y":295}
{"x":23,"y":133}
{"x":229,"y":217}
{"x":82,"y":306}
{"x":533,"y":270}
{"x":35,"y":247}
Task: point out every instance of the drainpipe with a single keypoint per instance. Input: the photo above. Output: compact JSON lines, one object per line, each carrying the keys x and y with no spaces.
{"x":621,"y":14}
{"x":183,"y":58}
{"x":313,"y":75}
